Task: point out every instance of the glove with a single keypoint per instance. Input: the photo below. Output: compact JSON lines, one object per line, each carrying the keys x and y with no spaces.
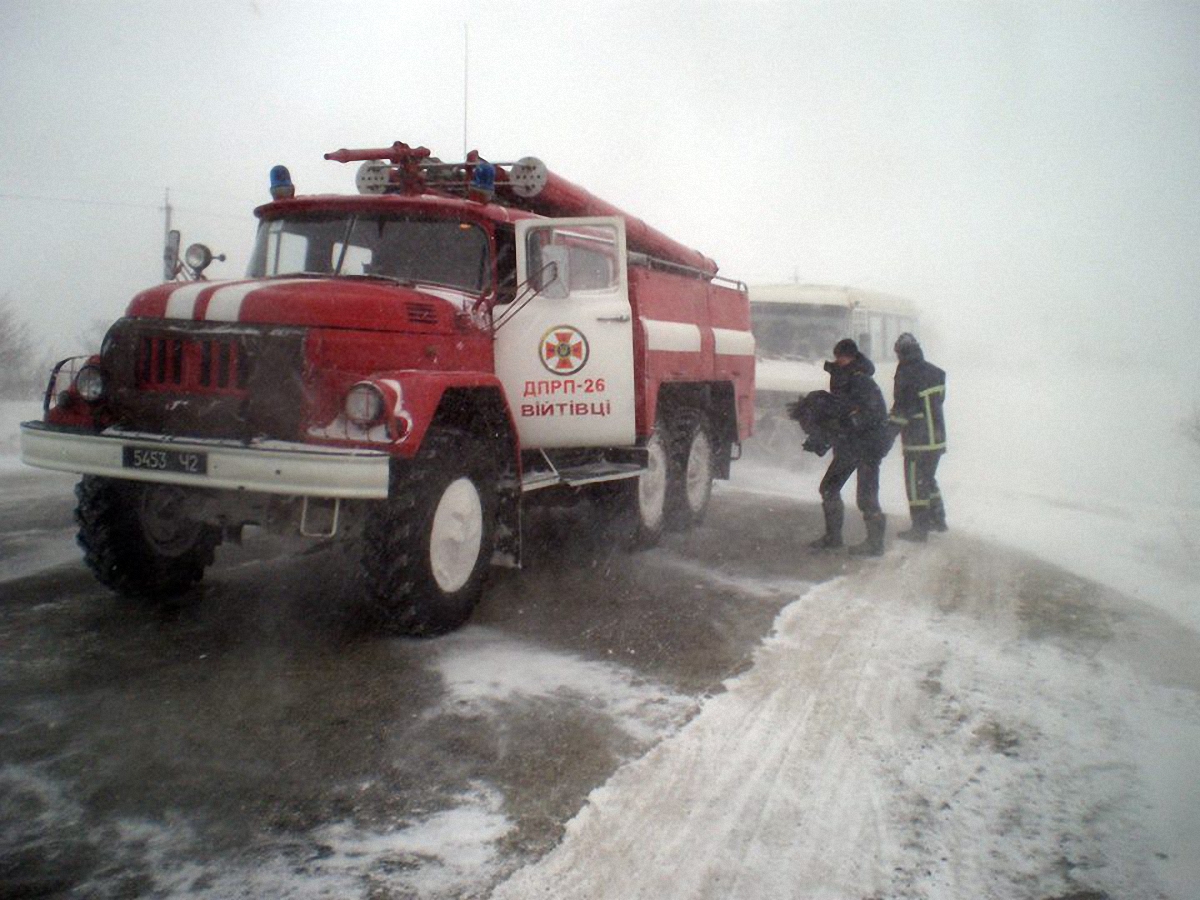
{"x":888,"y":440}
{"x":889,"y":437}
{"x":793,"y":410}
{"x":815,"y":446}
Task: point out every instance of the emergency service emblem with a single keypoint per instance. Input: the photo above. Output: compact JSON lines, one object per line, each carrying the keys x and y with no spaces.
{"x":564,"y":350}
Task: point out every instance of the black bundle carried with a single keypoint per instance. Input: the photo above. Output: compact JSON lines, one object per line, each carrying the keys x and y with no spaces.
{"x":823,"y":418}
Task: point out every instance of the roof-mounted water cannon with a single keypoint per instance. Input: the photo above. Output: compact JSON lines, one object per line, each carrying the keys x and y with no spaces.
{"x":401,"y":169}
{"x":387,"y":169}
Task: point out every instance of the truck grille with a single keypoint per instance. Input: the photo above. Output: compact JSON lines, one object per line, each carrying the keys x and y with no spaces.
{"x":191,"y":380}
{"x":194,"y":366}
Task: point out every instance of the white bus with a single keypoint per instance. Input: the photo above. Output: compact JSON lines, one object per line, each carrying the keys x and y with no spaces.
{"x":795,"y":327}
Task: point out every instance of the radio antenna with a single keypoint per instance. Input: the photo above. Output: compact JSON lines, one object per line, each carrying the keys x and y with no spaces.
{"x":466,"y":70}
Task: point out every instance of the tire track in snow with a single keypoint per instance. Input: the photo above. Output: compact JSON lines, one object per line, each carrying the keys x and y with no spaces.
{"x":731,"y":787}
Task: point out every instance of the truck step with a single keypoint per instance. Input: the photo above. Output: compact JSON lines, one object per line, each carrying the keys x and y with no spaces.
{"x":580,"y":475}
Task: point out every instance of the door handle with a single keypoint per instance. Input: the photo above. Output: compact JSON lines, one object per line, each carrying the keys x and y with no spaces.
{"x":624,"y":317}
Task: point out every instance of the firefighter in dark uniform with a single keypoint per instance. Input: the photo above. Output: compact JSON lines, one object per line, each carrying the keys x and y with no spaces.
{"x":853,"y":418}
{"x":919,"y":392}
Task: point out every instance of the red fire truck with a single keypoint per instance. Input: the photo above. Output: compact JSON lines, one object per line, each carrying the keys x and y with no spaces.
{"x":406,"y":369}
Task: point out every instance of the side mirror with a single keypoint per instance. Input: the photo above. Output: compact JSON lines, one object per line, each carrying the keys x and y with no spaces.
{"x":554,"y":278}
{"x":171,"y":256}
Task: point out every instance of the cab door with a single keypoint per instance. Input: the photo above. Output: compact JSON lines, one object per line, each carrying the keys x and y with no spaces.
{"x":566,"y":355}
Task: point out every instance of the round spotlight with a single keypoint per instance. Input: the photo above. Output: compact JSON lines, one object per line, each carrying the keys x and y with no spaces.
{"x":198,"y":257}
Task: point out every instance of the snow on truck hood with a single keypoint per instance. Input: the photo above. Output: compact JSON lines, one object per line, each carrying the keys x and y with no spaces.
{"x":305,"y":302}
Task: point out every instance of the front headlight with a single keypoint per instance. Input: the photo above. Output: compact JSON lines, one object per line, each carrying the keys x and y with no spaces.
{"x":90,"y":383}
{"x":364,"y":404}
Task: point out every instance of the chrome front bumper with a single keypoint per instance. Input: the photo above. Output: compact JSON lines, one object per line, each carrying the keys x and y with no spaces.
{"x":271,"y":467}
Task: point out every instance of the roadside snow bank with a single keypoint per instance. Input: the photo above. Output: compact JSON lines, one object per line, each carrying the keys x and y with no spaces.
{"x":909,"y":731}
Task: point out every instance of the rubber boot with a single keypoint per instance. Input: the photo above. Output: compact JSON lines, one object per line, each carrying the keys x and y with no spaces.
{"x":876,"y":526}
{"x":919,"y":532}
{"x":835,"y":515}
{"x":937,"y":515}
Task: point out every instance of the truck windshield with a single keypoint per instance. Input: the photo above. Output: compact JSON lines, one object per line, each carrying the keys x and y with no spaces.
{"x":431,"y":251}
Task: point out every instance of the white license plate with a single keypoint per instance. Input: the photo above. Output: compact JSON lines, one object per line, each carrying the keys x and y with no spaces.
{"x":187,"y":461}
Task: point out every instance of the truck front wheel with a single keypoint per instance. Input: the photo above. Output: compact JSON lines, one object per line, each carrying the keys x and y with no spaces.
{"x":138,"y":538}
{"x":426,"y":551}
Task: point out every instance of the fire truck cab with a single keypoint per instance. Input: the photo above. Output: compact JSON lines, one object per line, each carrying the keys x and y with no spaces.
{"x":406,"y":369}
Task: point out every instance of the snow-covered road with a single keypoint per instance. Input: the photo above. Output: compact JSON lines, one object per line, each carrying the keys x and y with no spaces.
{"x":1009,"y":711}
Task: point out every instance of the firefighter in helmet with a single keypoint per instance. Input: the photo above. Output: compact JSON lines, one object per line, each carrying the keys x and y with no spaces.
{"x":918,"y":394}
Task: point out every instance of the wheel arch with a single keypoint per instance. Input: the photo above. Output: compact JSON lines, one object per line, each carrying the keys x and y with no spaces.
{"x":471,"y":402}
{"x":480,"y":412}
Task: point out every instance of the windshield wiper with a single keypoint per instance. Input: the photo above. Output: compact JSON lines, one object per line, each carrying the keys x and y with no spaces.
{"x":350,"y":223}
{"x":375,"y":276}
{"x":442,"y":284}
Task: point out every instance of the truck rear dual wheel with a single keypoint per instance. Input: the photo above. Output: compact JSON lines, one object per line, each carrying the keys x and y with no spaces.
{"x":138,"y":539}
{"x":653,"y":488}
{"x":674,"y":490}
{"x":426,"y":551}
{"x":693,"y":465}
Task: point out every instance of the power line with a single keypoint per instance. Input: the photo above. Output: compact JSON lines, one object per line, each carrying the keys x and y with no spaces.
{"x":126,"y":204}
{"x":77,"y":200}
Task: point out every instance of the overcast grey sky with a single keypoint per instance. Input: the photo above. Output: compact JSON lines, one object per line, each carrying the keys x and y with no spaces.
{"x":1027,"y":172}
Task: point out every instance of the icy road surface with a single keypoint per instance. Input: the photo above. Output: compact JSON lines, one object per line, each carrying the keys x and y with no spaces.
{"x":729,"y":716}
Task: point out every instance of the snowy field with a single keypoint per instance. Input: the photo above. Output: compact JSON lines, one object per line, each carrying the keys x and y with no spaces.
{"x":915,"y":729}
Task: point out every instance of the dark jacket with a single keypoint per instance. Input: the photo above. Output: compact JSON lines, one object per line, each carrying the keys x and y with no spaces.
{"x":918,"y":395}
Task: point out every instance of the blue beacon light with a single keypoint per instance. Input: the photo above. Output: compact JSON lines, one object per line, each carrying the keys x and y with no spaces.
{"x":281,"y":183}
{"x":483,"y":180}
